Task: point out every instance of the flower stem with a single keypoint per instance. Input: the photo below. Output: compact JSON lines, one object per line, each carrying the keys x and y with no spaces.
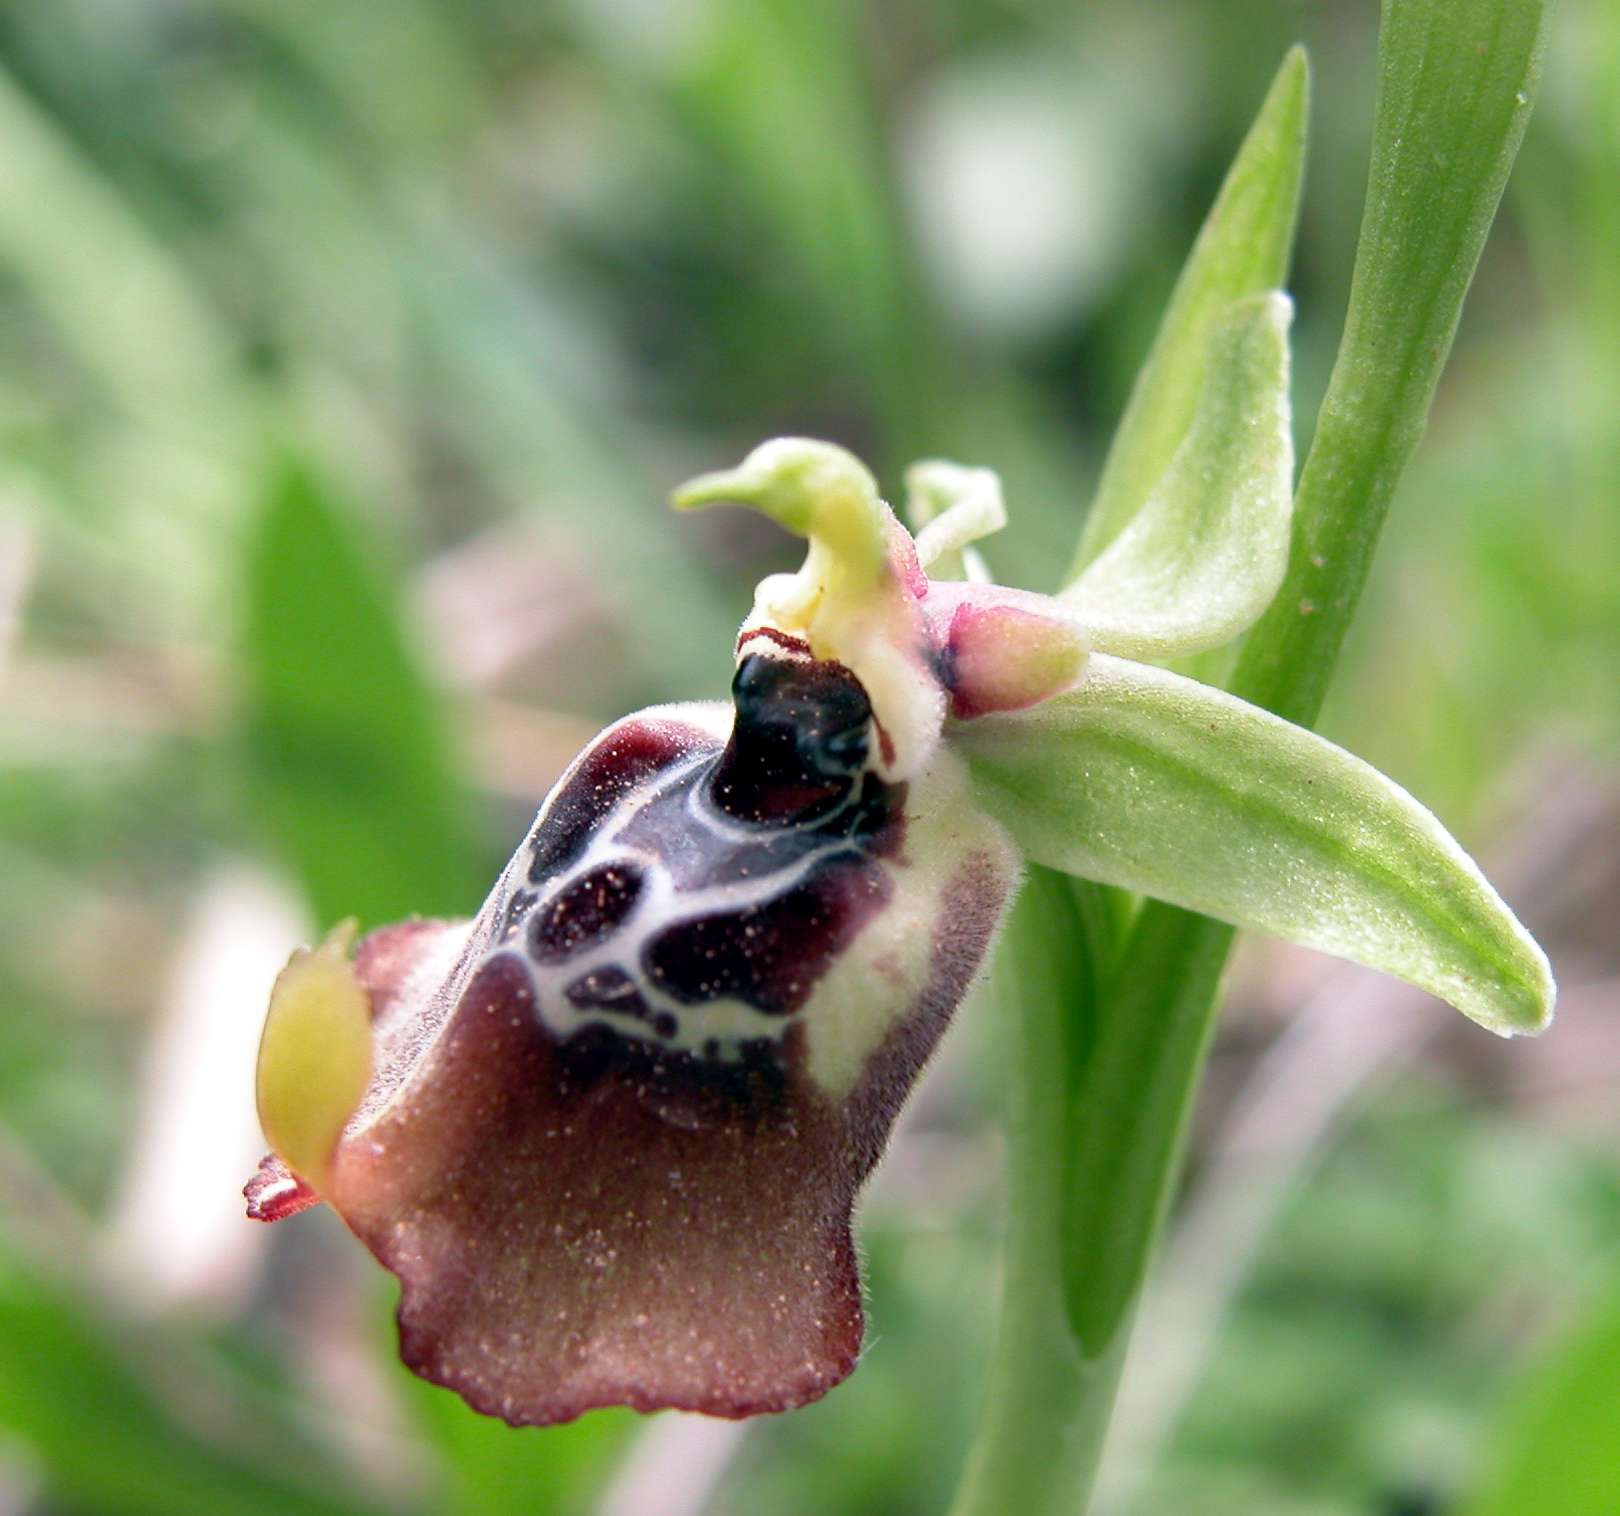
{"x":1038,"y":1441}
{"x":1099,"y":1116}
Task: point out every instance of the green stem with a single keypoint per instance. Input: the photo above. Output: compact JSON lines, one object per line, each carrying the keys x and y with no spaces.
{"x":1457,"y":79}
{"x":1033,"y":1447}
{"x":1098,"y":1157}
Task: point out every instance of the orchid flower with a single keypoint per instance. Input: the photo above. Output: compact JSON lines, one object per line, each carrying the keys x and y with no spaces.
{"x":610,"y":1132}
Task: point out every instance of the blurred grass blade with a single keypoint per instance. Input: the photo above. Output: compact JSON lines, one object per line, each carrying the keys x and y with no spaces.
{"x":107,"y":1441}
{"x":347,"y":749}
{"x":1242,"y":250}
{"x":539,"y":415}
{"x":782,"y":94}
{"x":1156,"y":783}
{"x":1455,"y":86}
{"x":108,"y":283}
{"x":494,"y":1470}
{"x":1557,"y":1452}
{"x":1202,"y":559}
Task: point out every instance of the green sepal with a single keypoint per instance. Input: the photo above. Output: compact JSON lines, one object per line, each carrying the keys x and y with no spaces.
{"x":1202,"y":558}
{"x":1241,"y":251}
{"x":1143,"y":779}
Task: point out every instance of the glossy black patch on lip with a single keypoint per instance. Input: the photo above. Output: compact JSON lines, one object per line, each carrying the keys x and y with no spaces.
{"x":774,"y":839}
{"x":696,"y":852}
{"x":800,"y":741}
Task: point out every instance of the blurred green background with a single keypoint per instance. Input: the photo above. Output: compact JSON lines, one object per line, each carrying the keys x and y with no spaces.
{"x":349,"y":352}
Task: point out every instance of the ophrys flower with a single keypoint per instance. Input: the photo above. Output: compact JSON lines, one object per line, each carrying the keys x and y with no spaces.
{"x":610,"y":1132}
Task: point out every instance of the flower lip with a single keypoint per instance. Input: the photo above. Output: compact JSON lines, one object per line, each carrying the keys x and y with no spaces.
{"x":616,"y":1125}
{"x":588,"y":1204}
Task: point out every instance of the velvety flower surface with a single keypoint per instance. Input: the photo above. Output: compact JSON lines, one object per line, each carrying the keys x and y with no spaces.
{"x":613,"y":1129}
{"x":609,"y":1134}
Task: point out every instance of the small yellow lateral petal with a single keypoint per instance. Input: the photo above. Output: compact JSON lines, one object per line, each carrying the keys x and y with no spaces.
{"x":315,"y":1055}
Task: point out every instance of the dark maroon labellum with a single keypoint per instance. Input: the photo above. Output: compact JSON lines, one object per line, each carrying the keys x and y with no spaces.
{"x":617,"y":1125}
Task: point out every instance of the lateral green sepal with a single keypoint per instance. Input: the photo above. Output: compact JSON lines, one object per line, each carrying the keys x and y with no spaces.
{"x":1202,"y":558}
{"x":1143,"y":779}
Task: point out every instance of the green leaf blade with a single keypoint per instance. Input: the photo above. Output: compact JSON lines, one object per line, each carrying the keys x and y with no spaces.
{"x":1203,"y":557}
{"x":1242,"y":250}
{"x":348,"y":753}
{"x":1152,"y":782}
{"x":494,"y":1470}
{"x":1555,"y":1452}
{"x":1457,"y":79}
{"x":106,"y":1410}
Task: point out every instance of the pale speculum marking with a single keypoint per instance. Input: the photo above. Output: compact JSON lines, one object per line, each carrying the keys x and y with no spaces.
{"x":689,"y":895}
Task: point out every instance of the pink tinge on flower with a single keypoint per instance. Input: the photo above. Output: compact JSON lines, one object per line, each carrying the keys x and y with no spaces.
{"x":616,"y":1127}
{"x":275,"y":1192}
{"x":1003,"y":649}
{"x":921,"y":650}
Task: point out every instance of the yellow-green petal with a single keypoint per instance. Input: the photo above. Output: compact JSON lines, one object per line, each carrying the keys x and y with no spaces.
{"x":315,"y":1055}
